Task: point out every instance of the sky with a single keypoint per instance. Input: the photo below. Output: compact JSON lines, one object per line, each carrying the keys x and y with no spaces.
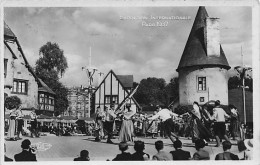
{"x":122,"y":43}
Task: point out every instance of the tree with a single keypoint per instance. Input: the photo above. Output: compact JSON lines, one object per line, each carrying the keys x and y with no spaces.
{"x":172,"y":90}
{"x":51,"y":65}
{"x":52,"y":58}
{"x":234,"y":82}
{"x":12,"y":102}
{"x":151,"y":91}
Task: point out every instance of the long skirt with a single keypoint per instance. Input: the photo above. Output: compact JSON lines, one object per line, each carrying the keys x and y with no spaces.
{"x":199,"y":131}
{"x":11,"y":130}
{"x":153,"y":127}
{"x":235,"y":129}
{"x":127,"y":131}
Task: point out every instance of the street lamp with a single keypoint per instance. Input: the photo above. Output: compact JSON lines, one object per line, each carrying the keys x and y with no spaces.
{"x":242,"y":70}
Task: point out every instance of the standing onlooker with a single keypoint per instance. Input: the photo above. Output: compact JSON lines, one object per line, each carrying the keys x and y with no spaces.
{"x":26,"y":154}
{"x":179,"y":154}
{"x":84,"y":156}
{"x":139,"y":155}
{"x":161,"y":155}
{"x":219,"y":125}
{"x":124,"y":156}
{"x":226,"y":155}
{"x":201,"y":154}
{"x":234,"y":122}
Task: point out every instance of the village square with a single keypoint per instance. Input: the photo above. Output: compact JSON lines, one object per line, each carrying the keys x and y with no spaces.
{"x":138,"y":100}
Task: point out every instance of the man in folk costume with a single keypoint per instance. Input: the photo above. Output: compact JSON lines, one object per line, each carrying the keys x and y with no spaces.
{"x":20,"y":121}
{"x":219,"y":125}
{"x":109,"y":122}
{"x":166,"y":116}
{"x":33,"y":123}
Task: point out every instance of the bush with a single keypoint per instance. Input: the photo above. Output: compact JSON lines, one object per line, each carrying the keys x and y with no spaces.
{"x":12,"y":102}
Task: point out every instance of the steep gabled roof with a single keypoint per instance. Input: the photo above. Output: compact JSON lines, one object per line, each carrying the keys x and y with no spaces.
{"x":124,"y":78}
{"x":8,"y":33}
{"x":195,"y":53}
{"x":44,"y":88}
{"x":127,"y":80}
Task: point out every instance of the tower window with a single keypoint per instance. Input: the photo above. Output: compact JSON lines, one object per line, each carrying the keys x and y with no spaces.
{"x":202,"y":83}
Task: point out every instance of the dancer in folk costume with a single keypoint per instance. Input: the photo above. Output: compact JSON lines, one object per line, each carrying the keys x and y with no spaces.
{"x":199,"y":131}
{"x":166,"y":116}
{"x":20,"y":122}
{"x":100,"y":116}
{"x":109,"y":122}
{"x":219,"y":125}
{"x":234,"y":122}
{"x":127,"y":128}
{"x":11,"y":130}
{"x":153,"y":126}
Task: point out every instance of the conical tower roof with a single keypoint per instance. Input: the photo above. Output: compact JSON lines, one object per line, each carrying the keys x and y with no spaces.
{"x":195,"y":53}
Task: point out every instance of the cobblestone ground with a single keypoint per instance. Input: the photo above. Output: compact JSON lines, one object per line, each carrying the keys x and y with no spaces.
{"x":67,"y":148}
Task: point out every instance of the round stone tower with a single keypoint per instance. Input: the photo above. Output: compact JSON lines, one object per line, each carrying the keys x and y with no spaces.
{"x":203,"y":66}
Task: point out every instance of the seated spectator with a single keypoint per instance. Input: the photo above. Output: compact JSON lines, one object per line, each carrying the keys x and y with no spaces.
{"x":179,"y":154}
{"x":226,"y":155}
{"x":246,"y":146}
{"x":84,"y":156}
{"x":161,"y":155}
{"x":201,"y":154}
{"x":139,"y":155}
{"x":26,"y":154}
{"x":124,"y":156}
{"x":6,"y":158}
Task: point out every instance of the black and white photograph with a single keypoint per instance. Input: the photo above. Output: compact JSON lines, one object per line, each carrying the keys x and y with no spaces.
{"x":129,"y":83}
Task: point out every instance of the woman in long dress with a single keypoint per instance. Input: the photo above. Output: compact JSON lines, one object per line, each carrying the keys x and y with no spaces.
{"x":127,"y":128}
{"x":99,"y":124}
{"x":199,"y":131}
{"x":153,"y":129}
{"x":11,"y":130}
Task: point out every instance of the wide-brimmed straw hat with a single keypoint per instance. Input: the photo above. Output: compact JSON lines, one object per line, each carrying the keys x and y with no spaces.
{"x":249,"y":144}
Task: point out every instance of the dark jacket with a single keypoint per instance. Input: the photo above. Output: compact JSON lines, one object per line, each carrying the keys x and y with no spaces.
{"x":139,"y":156}
{"x":25,"y":156}
{"x":81,"y":159}
{"x":179,"y":154}
{"x":125,"y":156}
{"x":201,"y":155}
{"x":226,"y":156}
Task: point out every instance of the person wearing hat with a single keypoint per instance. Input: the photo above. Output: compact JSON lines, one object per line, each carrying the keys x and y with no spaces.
{"x":26,"y":154}
{"x":127,"y":128}
{"x":248,"y":154}
{"x":219,"y":125}
{"x":109,"y":122}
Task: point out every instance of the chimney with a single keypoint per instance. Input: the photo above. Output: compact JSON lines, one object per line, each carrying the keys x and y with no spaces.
{"x":212,"y":36}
